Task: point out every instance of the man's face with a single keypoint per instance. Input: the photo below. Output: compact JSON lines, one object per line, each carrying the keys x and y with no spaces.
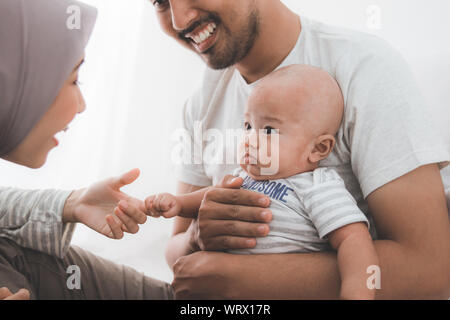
{"x":222,"y":32}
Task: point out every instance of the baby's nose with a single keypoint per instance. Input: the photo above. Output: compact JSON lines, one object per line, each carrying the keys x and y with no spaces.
{"x":252,"y":139}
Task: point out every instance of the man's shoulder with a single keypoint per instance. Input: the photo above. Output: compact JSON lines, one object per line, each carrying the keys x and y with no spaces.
{"x":348,"y":45}
{"x":340,"y":35}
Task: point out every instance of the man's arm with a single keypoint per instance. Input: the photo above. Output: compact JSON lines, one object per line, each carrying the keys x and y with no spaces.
{"x":411,"y":217}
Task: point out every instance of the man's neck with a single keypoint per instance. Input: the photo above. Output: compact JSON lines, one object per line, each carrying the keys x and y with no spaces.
{"x":278,"y":34}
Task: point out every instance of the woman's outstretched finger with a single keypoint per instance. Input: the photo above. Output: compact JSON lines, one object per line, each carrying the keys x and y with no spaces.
{"x":132,"y":212}
{"x":125,"y":179}
{"x":130,"y":225}
{"x":117,"y":232}
{"x":124,"y":228}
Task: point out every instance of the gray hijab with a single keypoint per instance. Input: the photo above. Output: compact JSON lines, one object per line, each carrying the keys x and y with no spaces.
{"x":38,"y":52}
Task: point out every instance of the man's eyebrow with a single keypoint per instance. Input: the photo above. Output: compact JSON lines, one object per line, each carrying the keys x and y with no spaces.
{"x":78,"y":66}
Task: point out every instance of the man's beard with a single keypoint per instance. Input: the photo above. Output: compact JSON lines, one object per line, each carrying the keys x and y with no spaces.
{"x":237,"y":46}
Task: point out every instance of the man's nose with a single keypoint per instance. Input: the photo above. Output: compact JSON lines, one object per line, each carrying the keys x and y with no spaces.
{"x":183,"y":14}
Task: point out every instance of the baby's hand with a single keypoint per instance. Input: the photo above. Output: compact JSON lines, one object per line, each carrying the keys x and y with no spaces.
{"x":163,"y":204}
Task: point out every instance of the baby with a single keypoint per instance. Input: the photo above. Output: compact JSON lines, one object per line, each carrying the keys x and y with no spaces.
{"x":296,"y":112}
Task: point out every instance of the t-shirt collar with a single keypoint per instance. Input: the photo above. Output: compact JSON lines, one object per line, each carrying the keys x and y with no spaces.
{"x":292,"y":57}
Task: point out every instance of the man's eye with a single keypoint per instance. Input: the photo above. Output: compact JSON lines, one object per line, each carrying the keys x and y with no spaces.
{"x":269,"y":130}
{"x":160,"y":4}
{"x":247,"y":126}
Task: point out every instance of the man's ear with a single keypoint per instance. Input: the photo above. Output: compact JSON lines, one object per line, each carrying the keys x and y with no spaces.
{"x":322,"y":148}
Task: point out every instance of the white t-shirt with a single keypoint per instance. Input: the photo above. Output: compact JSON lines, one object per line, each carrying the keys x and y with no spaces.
{"x":387,"y":130}
{"x":306,"y":208}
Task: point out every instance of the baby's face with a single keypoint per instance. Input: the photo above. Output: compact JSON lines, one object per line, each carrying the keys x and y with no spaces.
{"x":291,"y":119}
{"x":277,"y":141}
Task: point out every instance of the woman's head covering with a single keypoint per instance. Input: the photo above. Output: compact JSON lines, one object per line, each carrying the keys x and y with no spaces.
{"x":41,"y":42}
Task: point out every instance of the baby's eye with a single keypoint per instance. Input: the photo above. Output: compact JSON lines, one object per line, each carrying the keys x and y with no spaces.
{"x":247,"y":126}
{"x":269,"y":130}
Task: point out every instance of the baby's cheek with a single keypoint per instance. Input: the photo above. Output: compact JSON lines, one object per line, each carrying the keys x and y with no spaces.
{"x":287,"y":155}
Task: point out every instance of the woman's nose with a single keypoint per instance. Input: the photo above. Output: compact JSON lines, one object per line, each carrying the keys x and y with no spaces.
{"x":81,"y":104}
{"x":183,"y":14}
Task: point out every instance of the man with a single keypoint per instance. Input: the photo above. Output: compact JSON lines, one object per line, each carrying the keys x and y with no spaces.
{"x":386,"y":152}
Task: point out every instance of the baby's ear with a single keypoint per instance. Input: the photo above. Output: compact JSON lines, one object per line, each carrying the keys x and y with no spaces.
{"x":322,"y":148}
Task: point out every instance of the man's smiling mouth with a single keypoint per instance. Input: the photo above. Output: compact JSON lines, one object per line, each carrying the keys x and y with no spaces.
{"x":203,"y":37}
{"x":202,"y":33}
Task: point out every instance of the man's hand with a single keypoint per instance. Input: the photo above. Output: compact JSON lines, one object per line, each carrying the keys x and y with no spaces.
{"x":197,"y":276}
{"x":6,"y":294}
{"x":163,"y":204}
{"x":102,"y":207}
{"x":230,"y":218}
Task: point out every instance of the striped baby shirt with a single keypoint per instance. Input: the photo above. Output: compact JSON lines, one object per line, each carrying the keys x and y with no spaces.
{"x":33,"y":219}
{"x":305,"y":208}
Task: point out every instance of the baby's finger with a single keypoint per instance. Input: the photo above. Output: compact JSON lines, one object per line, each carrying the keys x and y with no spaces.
{"x":117,"y":232}
{"x":152,"y":211}
{"x":149,"y":202}
{"x":134,"y":213}
{"x":131,"y":226}
{"x":150,"y":206}
{"x":172,"y":212}
{"x":157,"y":204}
{"x":166,"y":203}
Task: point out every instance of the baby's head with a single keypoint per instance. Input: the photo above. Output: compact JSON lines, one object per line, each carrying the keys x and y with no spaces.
{"x":302,"y":106}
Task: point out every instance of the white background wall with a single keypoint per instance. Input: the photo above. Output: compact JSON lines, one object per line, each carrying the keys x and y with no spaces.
{"x":136,"y":80}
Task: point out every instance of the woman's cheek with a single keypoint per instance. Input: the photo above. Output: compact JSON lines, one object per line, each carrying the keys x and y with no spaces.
{"x":70,"y":104}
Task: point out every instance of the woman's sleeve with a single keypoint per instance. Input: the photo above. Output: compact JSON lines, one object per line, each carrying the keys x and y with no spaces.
{"x":33,"y":219}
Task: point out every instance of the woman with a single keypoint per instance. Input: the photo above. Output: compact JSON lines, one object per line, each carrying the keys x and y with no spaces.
{"x":39,"y":96}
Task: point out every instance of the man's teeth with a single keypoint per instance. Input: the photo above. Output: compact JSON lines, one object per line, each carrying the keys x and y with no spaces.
{"x":204,"y":34}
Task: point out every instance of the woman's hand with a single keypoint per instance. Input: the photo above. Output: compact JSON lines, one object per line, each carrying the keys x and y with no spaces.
{"x":102,"y":207}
